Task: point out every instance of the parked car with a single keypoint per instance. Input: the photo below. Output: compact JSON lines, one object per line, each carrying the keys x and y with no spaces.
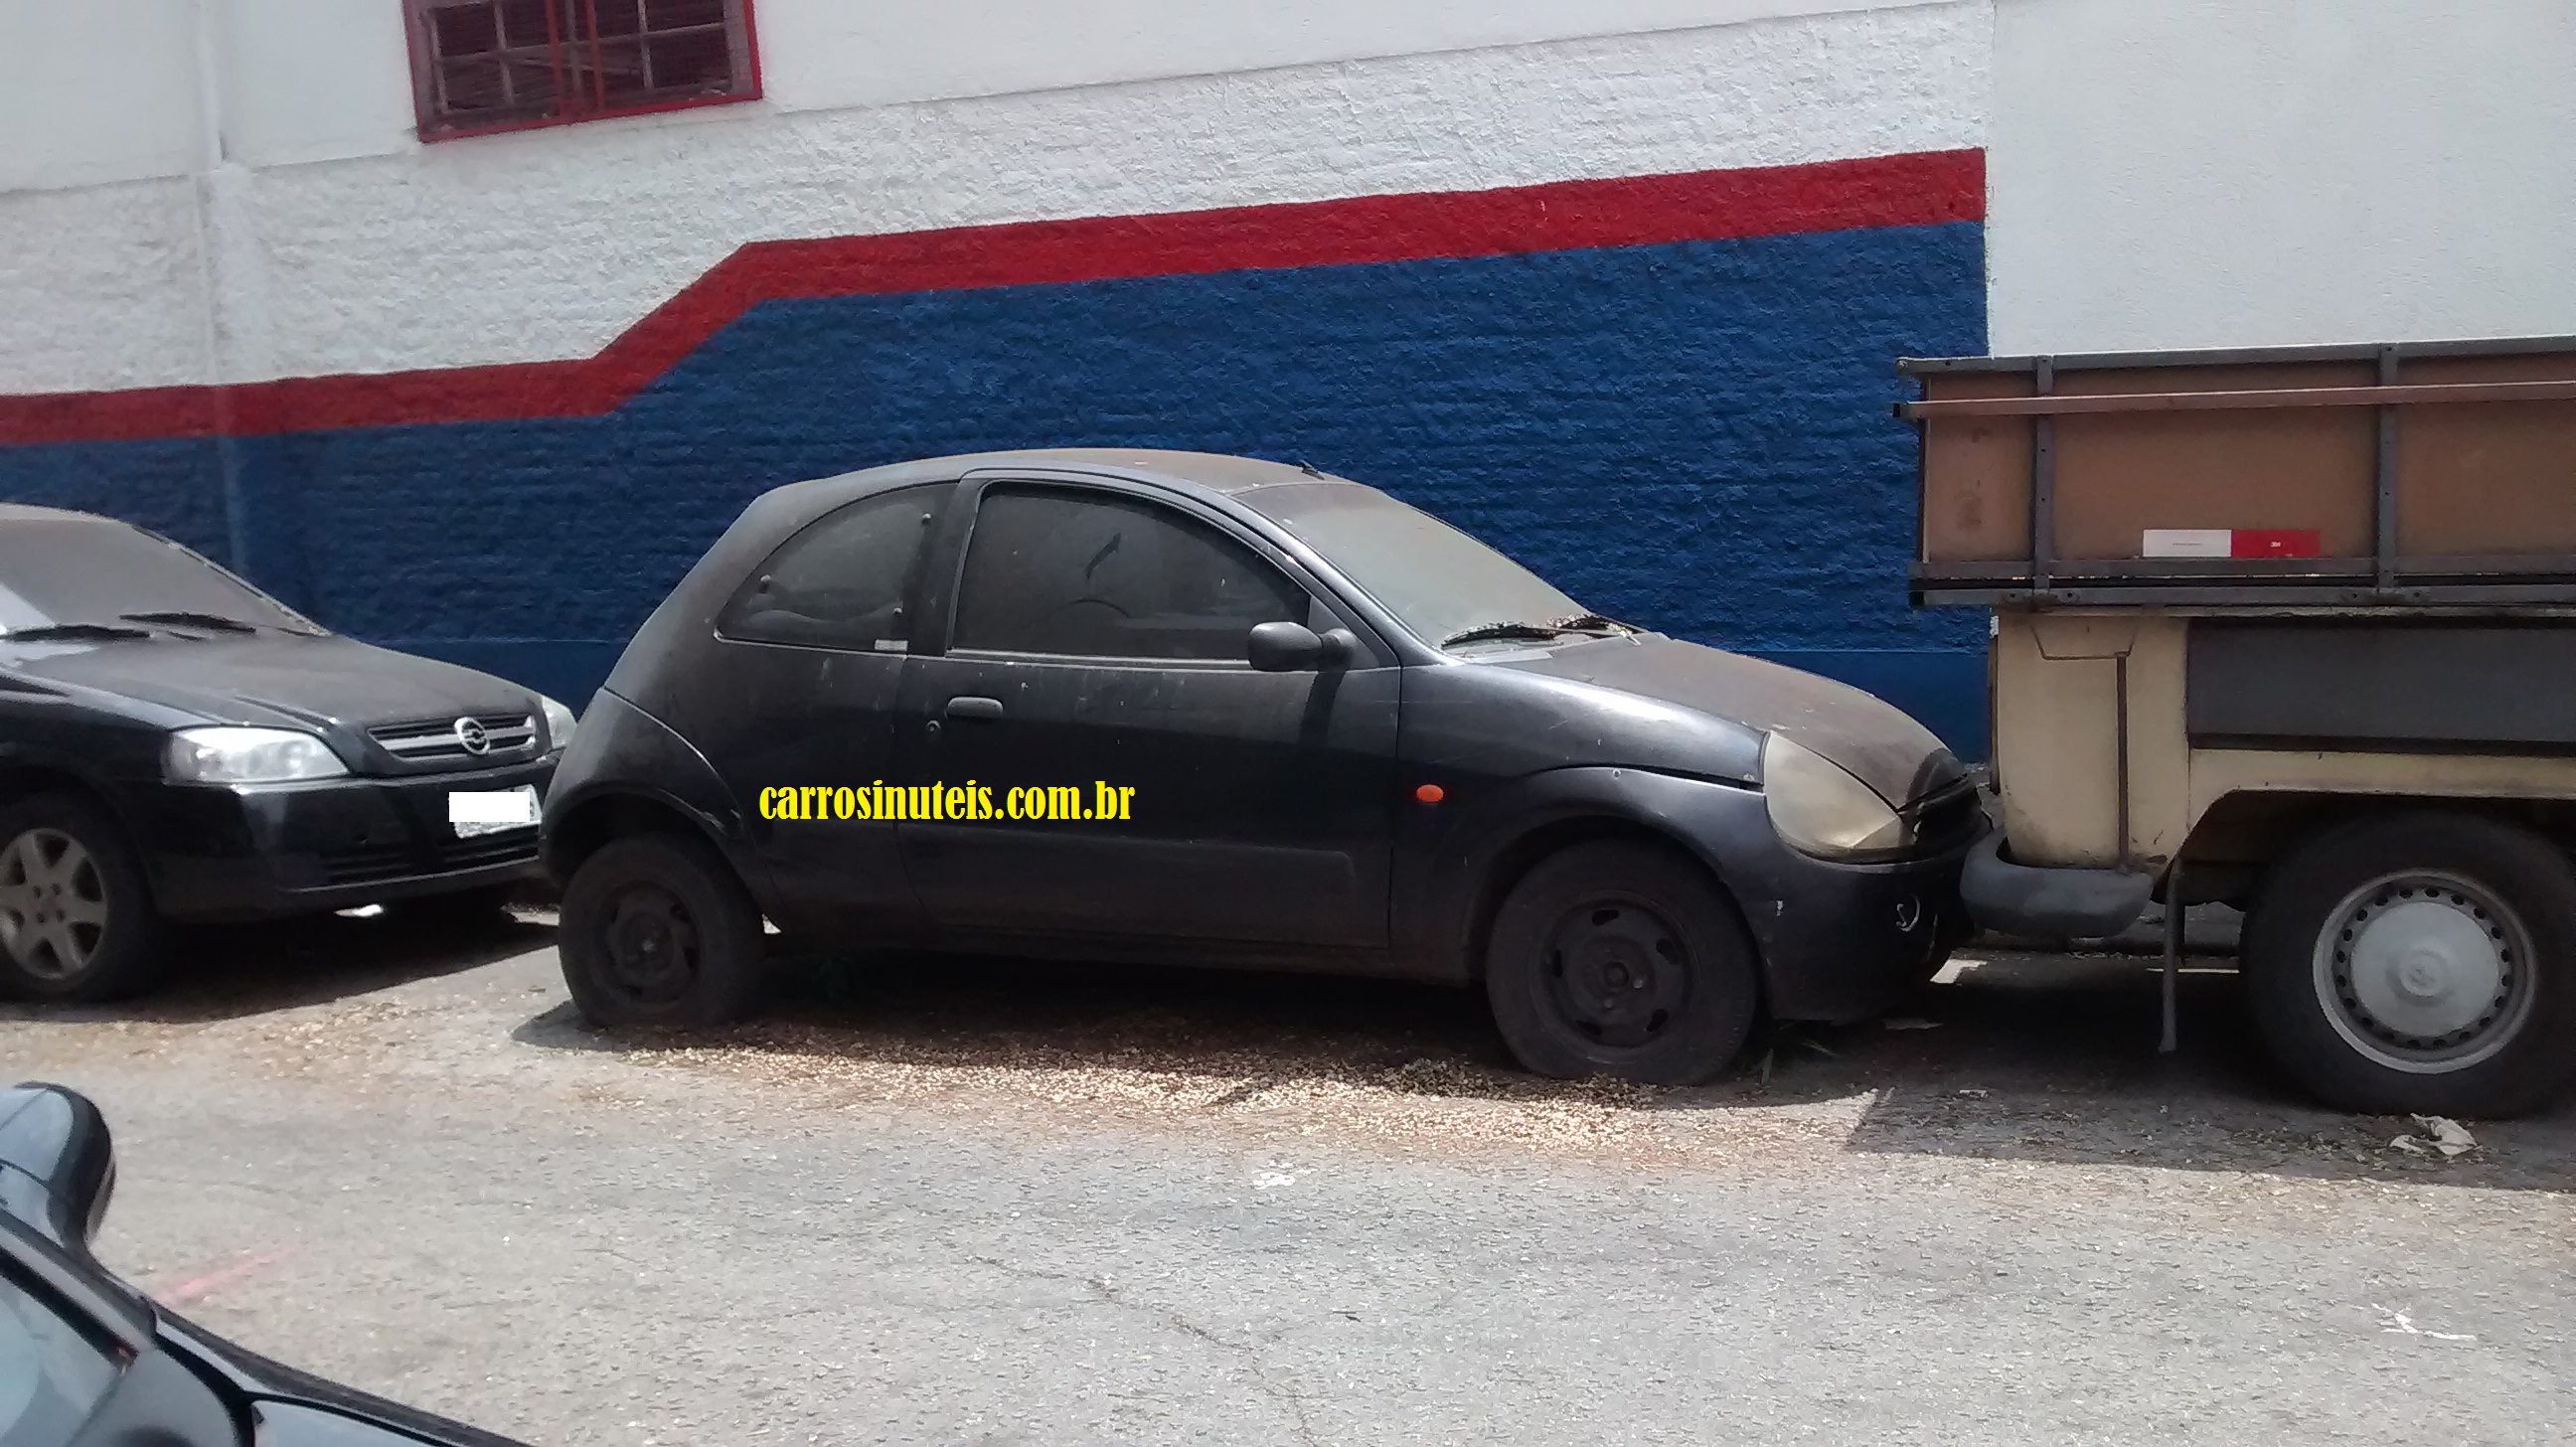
{"x":1344,"y":736}
{"x":176,"y":745}
{"x":85,"y":1358}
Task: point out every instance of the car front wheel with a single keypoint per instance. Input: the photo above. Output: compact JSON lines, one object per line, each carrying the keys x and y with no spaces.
{"x":656,"y":930}
{"x":2419,"y":962}
{"x":1622,"y":959}
{"x":76,"y":923}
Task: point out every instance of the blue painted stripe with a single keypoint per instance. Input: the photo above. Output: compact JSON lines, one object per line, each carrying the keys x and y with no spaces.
{"x":1695,"y":436}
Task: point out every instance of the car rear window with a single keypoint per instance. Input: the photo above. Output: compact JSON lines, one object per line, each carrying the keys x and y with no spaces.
{"x":841,"y":581}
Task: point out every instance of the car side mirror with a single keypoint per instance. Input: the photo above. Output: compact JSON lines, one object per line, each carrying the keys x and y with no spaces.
{"x":57,"y":1165}
{"x":1283,"y":647}
{"x":1295,"y":648}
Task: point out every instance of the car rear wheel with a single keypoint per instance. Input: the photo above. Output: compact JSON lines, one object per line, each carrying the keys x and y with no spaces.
{"x":1622,"y":959}
{"x":76,"y":923}
{"x":2419,"y":962}
{"x":656,"y":930}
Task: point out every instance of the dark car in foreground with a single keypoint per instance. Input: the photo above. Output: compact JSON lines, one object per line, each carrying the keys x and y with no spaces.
{"x":176,"y":745}
{"x":1271,"y":719}
{"x":88,"y":1361}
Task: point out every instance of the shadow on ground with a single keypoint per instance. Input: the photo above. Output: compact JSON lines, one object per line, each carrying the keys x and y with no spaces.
{"x":227,"y":972}
{"x":2022,"y":1057}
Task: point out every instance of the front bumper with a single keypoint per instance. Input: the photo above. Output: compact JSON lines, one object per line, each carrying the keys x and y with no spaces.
{"x":1845,"y":941}
{"x":259,"y":852}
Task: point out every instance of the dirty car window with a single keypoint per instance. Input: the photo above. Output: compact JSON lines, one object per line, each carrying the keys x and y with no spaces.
{"x":841,"y":581}
{"x":87,"y":570}
{"x":1097,"y":576}
{"x":1436,"y":580}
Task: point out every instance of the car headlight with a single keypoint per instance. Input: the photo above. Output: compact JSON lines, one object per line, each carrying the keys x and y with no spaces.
{"x":231,"y":755}
{"x":559,"y":723}
{"x":1821,"y":809}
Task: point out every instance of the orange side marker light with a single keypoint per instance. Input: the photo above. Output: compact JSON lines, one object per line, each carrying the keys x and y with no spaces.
{"x":1430,"y":793}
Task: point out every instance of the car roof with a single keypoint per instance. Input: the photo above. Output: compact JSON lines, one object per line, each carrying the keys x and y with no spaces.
{"x":26,"y":512}
{"x":1214,"y":472}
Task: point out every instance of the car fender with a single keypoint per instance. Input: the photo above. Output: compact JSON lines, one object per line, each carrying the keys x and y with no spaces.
{"x":1456,"y":867}
{"x":621,"y":751}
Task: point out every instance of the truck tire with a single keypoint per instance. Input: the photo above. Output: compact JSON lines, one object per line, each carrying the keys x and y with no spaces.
{"x":1622,"y":959}
{"x":2419,"y":962}
{"x":656,"y":930}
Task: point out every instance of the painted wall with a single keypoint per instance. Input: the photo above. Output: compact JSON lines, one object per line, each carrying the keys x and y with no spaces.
{"x":2197,"y":173}
{"x":1622,"y":300}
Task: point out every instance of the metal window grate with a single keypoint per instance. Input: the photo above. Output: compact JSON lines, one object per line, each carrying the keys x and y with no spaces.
{"x":494,"y":65}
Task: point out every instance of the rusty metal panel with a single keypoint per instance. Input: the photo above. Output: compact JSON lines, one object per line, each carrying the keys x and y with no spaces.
{"x":2494,"y":478}
{"x":1976,"y":476}
{"x":2442,"y":468}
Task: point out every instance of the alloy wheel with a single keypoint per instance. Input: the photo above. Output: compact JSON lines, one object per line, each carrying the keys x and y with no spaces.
{"x":53,"y":903}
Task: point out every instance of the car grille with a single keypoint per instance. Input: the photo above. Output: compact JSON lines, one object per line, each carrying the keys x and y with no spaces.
{"x":506,"y":736}
{"x":374,"y":863}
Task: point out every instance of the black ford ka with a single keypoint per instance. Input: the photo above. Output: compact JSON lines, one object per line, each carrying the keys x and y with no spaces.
{"x":176,"y":745}
{"x":1154,"y":706}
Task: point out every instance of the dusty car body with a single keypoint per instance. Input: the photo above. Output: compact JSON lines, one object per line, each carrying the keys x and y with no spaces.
{"x":1404,"y":755}
{"x":177,"y":746}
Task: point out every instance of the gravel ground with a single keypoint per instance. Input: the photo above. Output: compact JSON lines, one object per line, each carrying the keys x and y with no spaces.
{"x":985,"y":1201}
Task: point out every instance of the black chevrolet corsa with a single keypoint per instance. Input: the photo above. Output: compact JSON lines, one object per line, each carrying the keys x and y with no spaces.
{"x":176,"y":745}
{"x":1356,"y":739}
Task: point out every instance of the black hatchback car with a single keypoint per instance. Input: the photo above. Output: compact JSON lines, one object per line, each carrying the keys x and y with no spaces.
{"x":176,"y":745}
{"x":1178,"y":707}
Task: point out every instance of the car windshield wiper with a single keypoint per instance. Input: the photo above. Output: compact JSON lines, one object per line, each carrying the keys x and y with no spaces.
{"x":186,"y":619}
{"x":1570,"y":623}
{"x":44,"y":631}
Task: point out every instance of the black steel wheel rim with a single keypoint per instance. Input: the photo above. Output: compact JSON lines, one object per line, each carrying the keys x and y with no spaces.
{"x":649,"y":945}
{"x":1616,"y":973}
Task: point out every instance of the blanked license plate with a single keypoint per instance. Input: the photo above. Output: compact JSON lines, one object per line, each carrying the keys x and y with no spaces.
{"x":490,"y":811}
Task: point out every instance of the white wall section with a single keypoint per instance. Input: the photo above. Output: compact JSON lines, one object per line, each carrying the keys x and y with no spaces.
{"x":2216,"y":173}
{"x":826,"y":55}
{"x":96,"y":92}
{"x":547,"y":244}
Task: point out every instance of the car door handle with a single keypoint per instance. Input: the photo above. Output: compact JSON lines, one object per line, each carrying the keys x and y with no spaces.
{"x":973,"y":707}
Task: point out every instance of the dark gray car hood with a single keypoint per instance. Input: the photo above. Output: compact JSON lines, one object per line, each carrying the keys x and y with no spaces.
{"x":1879,"y":743}
{"x":276,"y":679}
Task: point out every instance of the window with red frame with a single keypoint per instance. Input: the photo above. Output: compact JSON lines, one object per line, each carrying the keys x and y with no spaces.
{"x":495,"y":65}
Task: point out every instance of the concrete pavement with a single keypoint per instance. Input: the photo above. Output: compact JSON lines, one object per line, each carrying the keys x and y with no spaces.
{"x":1002,"y":1203}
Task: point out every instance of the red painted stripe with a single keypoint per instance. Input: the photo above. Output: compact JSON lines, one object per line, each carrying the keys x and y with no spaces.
{"x":1911,"y":190}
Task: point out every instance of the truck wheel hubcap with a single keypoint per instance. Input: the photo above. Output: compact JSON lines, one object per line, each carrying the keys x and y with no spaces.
{"x":2425,"y":972}
{"x":53,"y":904}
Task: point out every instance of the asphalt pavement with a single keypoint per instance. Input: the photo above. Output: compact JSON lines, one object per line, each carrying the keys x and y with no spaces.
{"x":988,"y":1202}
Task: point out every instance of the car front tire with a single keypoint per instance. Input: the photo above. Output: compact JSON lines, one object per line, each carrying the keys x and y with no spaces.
{"x":657,"y":930}
{"x":1622,"y":959}
{"x":76,"y":921}
{"x":2419,"y":962}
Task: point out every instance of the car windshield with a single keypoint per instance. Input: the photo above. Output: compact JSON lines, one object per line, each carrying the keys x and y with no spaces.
{"x":114,"y":580}
{"x":1437,"y":581}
